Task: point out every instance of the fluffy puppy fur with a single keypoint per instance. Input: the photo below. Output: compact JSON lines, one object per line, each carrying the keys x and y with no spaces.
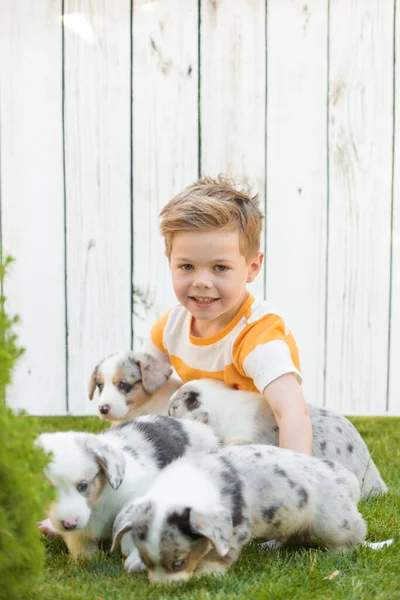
{"x":95,"y":474}
{"x":239,"y":417}
{"x":247,"y":492}
{"x":131,"y":384}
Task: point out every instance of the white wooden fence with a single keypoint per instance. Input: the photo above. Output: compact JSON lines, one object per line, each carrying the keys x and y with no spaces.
{"x":110,"y":107}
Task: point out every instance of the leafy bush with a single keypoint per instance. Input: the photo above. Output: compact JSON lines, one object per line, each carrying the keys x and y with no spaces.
{"x":23,"y":489}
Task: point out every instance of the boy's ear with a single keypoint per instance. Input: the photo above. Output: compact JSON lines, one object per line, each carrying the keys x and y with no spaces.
{"x":255,"y":265}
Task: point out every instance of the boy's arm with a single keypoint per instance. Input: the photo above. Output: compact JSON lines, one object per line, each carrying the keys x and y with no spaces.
{"x":154,"y":345}
{"x":152,"y":349}
{"x":285,"y":397}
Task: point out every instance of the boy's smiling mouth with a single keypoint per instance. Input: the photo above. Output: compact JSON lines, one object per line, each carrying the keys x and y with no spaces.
{"x":203,"y":300}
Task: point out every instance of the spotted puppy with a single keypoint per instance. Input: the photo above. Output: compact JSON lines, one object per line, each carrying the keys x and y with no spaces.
{"x":239,"y":417}
{"x":247,"y":492}
{"x":131,"y":384}
{"x":95,"y":474}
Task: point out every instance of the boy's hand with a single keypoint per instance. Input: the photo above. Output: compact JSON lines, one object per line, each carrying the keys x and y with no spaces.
{"x":285,"y":397}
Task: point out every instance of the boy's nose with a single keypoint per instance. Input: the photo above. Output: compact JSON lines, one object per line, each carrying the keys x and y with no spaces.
{"x":202,"y":282}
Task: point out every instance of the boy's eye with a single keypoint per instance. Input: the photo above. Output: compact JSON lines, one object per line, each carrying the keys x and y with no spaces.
{"x":186,"y":267}
{"x":220,"y":268}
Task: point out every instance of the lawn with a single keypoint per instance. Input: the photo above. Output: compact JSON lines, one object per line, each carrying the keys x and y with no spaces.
{"x":285,"y":575}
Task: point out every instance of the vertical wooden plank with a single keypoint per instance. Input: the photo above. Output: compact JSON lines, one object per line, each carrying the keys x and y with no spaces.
{"x":32,"y":198}
{"x":165,"y":142}
{"x":360,"y":163}
{"x":97,"y":153}
{"x":233,"y":94}
{"x":394,"y":357}
{"x":297,"y":177}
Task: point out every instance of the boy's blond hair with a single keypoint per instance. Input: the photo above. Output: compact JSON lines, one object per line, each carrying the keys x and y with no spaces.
{"x":214,"y":204}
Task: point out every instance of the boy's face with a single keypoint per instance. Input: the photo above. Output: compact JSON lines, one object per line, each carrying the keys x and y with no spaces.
{"x":209,"y":274}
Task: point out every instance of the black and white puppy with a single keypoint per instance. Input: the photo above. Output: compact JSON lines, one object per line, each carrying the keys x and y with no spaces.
{"x":95,"y":474}
{"x":199,"y":514}
{"x":240,"y":417}
{"x":131,"y":384}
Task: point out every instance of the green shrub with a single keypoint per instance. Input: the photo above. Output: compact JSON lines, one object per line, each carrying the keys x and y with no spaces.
{"x":9,"y":352}
{"x":23,"y":489}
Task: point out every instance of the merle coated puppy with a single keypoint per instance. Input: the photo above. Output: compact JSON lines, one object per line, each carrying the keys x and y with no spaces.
{"x":246,"y":492}
{"x":95,"y":474}
{"x":131,"y":384}
{"x":240,"y":417}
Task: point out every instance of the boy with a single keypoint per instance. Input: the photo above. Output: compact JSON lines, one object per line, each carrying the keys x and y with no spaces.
{"x":219,"y":330}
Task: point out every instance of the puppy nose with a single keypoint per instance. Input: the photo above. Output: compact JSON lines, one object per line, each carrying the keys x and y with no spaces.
{"x":69,"y":524}
{"x":105,"y":409}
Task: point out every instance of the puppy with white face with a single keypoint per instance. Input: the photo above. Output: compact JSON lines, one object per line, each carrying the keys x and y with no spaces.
{"x":96,"y":474}
{"x":131,"y":384}
{"x":240,"y":417}
{"x":83,"y":467}
{"x":200,"y":512}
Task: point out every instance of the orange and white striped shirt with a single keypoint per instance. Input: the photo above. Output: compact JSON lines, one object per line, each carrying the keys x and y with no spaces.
{"x":249,"y":353}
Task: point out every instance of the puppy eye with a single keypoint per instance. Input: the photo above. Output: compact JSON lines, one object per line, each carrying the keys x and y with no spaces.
{"x":125,"y":387}
{"x":82,"y":487}
{"x":177,"y":565}
{"x":100,"y":386}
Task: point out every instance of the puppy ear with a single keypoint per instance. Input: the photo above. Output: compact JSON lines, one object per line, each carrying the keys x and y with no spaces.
{"x":135,"y":516}
{"x":111,"y":460}
{"x":214,"y":523}
{"x":155,"y":372}
{"x":92,"y":383}
{"x":123,"y":523}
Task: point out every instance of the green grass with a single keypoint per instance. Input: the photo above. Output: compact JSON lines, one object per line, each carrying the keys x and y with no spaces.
{"x":285,"y":575}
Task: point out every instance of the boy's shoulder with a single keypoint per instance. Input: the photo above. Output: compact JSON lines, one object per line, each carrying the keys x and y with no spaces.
{"x":260,"y":308}
{"x":172,"y":317}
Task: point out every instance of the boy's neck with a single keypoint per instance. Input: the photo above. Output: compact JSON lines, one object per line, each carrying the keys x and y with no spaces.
{"x":204,"y":329}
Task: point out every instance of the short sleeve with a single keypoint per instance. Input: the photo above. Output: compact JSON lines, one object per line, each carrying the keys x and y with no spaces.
{"x":150,"y":348}
{"x":157,"y":333}
{"x":266,"y":350}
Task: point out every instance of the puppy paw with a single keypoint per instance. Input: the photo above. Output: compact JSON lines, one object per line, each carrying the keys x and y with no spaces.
{"x":46,"y":527}
{"x":272,"y":545}
{"x":216,"y":569}
{"x":134,"y":563}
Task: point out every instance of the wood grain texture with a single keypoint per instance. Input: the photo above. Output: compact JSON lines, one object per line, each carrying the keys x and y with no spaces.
{"x":297,"y":177}
{"x":165,"y":149}
{"x":32,"y":198}
{"x":298,"y":102}
{"x":97,"y":151}
{"x":360,"y":142}
{"x":233,"y":95}
{"x":394,"y":357}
